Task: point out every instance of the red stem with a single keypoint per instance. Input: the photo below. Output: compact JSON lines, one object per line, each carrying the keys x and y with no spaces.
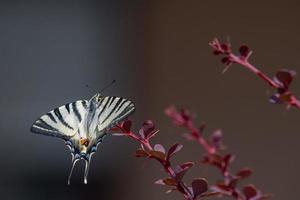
{"x":199,"y":139}
{"x":216,"y":45}
{"x":145,"y":142}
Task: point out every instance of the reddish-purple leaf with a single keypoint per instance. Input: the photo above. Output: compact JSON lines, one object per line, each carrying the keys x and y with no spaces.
{"x":250,"y":191}
{"x":160,"y":182}
{"x":185,"y":114}
{"x":222,"y":188}
{"x":171,"y":190}
{"x":181,"y":171}
{"x":159,"y":147}
{"x":233,"y":182}
{"x":209,"y":194}
{"x":199,"y":186}
{"x":178,"y":118}
{"x":216,"y":138}
{"x":228,"y":158}
{"x":275,"y":99}
{"x":226,"y":60}
{"x":147,"y":128}
{"x":170,"y":182}
{"x":244,"y":50}
{"x":285,"y":77}
{"x":127,"y":125}
{"x":160,"y":156}
{"x":213,"y":159}
{"x":244,"y":173}
{"x":280,"y":98}
{"x":141,"y":153}
{"x":186,"y":165}
{"x":216,"y":52}
{"x":225,"y":47}
{"x":174,"y":149}
{"x":170,"y":111}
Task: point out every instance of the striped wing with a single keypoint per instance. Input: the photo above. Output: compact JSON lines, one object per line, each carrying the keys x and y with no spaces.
{"x":112,"y":111}
{"x":61,"y":122}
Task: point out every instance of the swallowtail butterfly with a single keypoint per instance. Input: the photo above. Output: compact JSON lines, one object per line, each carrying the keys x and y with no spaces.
{"x":83,"y":124}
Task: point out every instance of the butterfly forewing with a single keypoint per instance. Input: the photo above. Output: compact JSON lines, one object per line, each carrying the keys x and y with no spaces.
{"x":61,"y":122}
{"x":112,"y":111}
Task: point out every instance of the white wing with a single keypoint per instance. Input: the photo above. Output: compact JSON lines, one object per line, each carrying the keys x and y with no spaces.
{"x":112,"y":111}
{"x":61,"y":122}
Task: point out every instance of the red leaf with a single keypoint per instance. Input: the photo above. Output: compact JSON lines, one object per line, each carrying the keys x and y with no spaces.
{"x":141,"y":153}
{"x":159,"y":147}
{"x":180,"y":172}
{"x":225,"y":47}
{"x":147,"y":128}
{"x":216,"y":52}
{"x":174,"y":149}
{"x":279,"y":98}
{"x":199,"y":186}
{"x":160,"y":156}
{"x":216,"y":138}
{"x":127,"y":125}
{"x":250,"y":191}
{"x":228,"y":159}
{"x":160,"y":182}
{"x":285,"y":77}
{"x":213,"y":159}
{"x":226,"y":60}
{"x":170,"y":182}
{"x":244,"y":173}
{"x":209,"y":194}
{"x":224,"y":187}
{"x":187,"y":165}
{"x":244,"y":50}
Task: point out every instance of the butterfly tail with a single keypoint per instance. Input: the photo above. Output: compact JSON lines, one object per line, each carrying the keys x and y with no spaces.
{"x":86,"y":171}
{"x":71,"y":171}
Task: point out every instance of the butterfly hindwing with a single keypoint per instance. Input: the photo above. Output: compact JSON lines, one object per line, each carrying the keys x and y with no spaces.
{"x":61,"y":122}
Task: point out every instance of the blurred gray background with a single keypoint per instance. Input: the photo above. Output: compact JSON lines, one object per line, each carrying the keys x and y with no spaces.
{"x":158,"y":52}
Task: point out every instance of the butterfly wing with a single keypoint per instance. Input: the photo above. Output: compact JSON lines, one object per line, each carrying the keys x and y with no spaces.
{"x":62,"y":122}
{"x":112,"y":111}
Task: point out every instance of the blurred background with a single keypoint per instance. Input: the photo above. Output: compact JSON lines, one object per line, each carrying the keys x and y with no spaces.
{"x":158,"y":52}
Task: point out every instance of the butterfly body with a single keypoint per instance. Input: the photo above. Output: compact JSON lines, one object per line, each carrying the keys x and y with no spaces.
{"x":83,"y":124}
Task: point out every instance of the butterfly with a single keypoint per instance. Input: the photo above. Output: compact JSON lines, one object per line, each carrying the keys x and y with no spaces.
{"x":83,"y":124}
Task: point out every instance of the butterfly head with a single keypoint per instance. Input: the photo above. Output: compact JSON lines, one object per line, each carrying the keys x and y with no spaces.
{"x":97,"y":98}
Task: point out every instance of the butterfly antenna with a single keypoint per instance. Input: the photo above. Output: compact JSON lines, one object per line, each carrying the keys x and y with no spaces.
{"x":86,"y":171}
{"x":70,"y":175}
{"x":88,"y":86}
{"x":107,"y":86}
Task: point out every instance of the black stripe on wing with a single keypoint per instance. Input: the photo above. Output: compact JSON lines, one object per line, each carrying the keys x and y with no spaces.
{"x":51,"y":117}
{"x":67,"y":106}
{"x":118,"y":111}
{"x":62,"y":122}
{"x":61,"y":119}
{"x":113,"y":109}
{"x":76,"y":112}
{"x":42,"y":127}
{"x":104,"y":107}
{"x":129,"y":109}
